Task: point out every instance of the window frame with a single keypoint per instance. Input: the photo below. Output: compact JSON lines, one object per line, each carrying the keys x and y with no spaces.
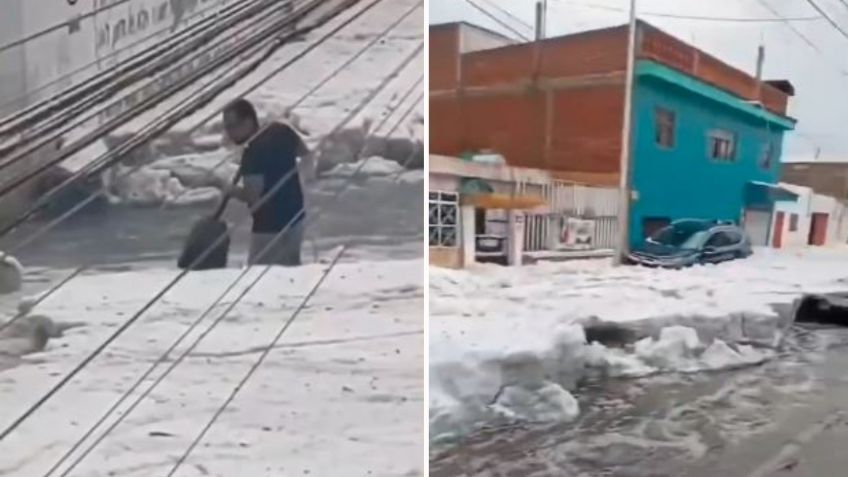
{"x":442,"y":198}
{"x":766,"y":159}
{"x":665,"y":117}
{"x":722,"y":136}
{"x":731,"y":238}
{"x":793,"y":222}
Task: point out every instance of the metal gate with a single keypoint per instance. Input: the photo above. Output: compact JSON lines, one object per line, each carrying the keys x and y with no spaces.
{"x":565,"y":201}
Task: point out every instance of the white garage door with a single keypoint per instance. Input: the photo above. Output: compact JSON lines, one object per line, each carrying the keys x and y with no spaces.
{"x":757,"y":225}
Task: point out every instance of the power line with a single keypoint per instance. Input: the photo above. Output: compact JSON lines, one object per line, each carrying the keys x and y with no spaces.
{"x":320,"y":84}
{"x":262,"y":356}
{"x":54,"y":223}
{"x":166,"y":121}
{"x":497,"y":20}
{"x":41,"y":297}
{"x":59,"y":26}
{"x":149,"y":129}
{"x":53,"y":130}
{"x":695,"y":17}
{"x":828,"y":18}
{"x":113,"y":54}
{"x":800,"y":35}
{"x":185,"y":353}
{"x":507,"y":13}
{"x":267,"y":349}
{"x":126,"y":147}
{"x":789,"y":25}
{"x":85,"y":362}
{"x":197,"y":322}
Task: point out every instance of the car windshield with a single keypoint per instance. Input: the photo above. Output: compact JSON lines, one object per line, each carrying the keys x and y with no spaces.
{"x":687,"y":235}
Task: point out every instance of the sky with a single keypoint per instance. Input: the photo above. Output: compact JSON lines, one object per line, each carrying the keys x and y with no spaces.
{"x":816,"y":64}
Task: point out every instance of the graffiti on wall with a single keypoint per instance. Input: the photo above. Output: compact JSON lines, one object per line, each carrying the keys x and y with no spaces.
{"x":130,"y":19}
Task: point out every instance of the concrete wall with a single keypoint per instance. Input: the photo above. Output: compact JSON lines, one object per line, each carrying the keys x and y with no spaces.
{"x":801,"y":209}
{"x":837,"y":217}
{"x":93,"y":44}
{"x":808,"y":203}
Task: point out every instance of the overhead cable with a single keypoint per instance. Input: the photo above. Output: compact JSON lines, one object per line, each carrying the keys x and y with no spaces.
{"x":185,"y":353}
{"x":498,"y":20}
{"x":158,"y":296}
{"x":144,"y":131}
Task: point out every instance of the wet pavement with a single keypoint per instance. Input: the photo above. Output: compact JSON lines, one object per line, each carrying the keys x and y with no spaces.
{"x":780,"y":418}
{"x":382,"y":218}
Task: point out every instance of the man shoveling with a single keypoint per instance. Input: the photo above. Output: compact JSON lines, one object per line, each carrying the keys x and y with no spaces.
{"x":270,"y":156}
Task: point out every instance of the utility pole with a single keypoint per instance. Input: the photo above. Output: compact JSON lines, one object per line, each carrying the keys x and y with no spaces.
{"x":761,"y":57}
{"x":625,"y":183}
{"x":540,"y":20}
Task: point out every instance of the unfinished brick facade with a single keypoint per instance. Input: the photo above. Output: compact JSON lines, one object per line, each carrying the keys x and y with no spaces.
{"x":828,"y":178}
{"x":557,"y":104}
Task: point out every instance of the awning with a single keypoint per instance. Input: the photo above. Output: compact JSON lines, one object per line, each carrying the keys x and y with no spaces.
{"x":764,"y":194}
{"x":502,"y":201}
{"x":472,"y":186}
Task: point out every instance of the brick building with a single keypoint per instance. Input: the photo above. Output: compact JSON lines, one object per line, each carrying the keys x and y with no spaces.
{"x":828,"y":178}
{"x":707,"y":137}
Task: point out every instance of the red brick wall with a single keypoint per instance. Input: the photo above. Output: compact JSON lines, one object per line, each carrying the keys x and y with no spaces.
{"x":446,"y":127}
{"x":444,"y":61}
{"x":664,"y":48}
{"x":511,"y":124}
{"x":591,"y":53}
{"x":584,"y":124}
{"x":586,"y":132}
{"x":585,"y":121}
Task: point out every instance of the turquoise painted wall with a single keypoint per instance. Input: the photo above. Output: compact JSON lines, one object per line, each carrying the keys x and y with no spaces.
{"x":682,"y":181}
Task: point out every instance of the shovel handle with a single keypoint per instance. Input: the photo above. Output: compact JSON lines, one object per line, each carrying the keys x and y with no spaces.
{"x":226,"y":198}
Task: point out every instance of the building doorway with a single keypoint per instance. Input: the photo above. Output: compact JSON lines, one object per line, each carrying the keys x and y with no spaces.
{"x":818,"y":229}
{"x":756,"y":223}
{"x":777,"y":234}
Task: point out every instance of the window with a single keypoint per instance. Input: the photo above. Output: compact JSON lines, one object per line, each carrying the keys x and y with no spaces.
{"x":767,"y":158}
{"x":724,"y":239}
{"x":793,"y":223}
{"x":443,"y":224}
{"x":664,"y":123}
{"x":719,"y":239}
{"x":722,"y":146}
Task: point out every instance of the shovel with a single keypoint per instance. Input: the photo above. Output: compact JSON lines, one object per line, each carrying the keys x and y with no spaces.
{"x":206,"y":233}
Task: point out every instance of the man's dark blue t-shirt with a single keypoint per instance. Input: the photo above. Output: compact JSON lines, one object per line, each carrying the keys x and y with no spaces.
{"x":272,"y":154}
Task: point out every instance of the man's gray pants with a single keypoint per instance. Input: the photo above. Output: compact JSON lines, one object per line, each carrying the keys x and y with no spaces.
{"x":278,"y":250}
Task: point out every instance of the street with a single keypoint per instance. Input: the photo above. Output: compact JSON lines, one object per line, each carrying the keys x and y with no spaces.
{"x":784,"y":418}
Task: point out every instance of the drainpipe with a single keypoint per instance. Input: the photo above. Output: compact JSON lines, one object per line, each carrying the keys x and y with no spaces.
{"x":625,"y":176}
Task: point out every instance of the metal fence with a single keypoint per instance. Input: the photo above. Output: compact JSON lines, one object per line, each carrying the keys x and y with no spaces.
{"x":595,"y":205}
